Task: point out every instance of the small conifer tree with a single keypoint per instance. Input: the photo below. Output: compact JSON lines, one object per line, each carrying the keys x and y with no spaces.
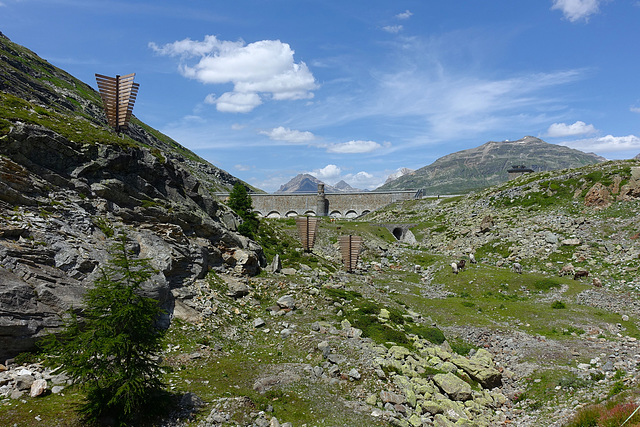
{"x":240,"y":202}
{"x":110,"y":352}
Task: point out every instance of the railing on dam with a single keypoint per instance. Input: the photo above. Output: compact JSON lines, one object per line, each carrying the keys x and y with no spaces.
{"x":339,"y":205}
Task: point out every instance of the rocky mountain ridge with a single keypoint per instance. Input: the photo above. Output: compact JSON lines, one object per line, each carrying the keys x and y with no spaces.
{"x":306,"y":183}
{"x":487,"y":165}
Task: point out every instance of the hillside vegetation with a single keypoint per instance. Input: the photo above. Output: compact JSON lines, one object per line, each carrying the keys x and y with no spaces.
{"x":313,"y":345}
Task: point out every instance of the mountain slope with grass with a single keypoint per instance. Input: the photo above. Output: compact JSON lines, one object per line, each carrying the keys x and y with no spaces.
{"x":487,"y":165}
{"x":37,"y":93}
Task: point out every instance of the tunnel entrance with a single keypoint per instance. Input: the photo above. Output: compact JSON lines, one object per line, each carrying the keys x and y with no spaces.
{"x":398,"y":232}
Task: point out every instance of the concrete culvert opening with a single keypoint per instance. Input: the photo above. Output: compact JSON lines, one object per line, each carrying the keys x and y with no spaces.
{"x":397,"y":233}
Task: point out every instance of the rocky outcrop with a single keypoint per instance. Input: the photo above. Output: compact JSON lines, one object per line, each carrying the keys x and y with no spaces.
{"x":61,"y":202}
{"x":598,"y":196}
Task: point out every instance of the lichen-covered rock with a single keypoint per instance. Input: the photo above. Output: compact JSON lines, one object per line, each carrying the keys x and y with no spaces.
{"x":453,"y":386}
{"x":480,"y":368}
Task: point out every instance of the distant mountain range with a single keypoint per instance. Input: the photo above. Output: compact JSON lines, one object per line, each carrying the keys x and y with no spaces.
{"x":305,"y":183}
{"x":487,"y":165}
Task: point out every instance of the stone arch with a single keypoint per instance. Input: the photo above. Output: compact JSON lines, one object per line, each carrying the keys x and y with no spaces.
{"x":310,"y":213}
{"x":291,"y":214}
{"x":351,"y":214}
{"x":364,"y":212}
{"x":335,"y":214}
{"x":274,"y":214}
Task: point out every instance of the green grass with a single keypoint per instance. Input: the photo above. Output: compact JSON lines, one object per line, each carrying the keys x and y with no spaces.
{"x":51,"y":410}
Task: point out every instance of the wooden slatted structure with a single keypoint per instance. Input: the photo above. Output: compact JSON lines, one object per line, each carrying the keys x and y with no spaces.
{"x":307,"y":230}
{"x":118,"y":96}
{"x":350,"y":249}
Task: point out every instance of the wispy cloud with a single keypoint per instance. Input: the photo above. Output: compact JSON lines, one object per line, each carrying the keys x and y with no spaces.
{"x":404,"y":15}
{"x":393,"y":29}
{"x":576,"y":10}
{"x":263,"y":68}
{"x":243,"y":168}
{"x":355,"y":147}
{"x":634,"y":109}
{"x":452,"y":104}
{"x":563,"y":129}
{"x":289,"y":135}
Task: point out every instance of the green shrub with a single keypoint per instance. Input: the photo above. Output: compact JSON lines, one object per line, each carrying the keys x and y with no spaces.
{"x":558,"y":305}
{"x":461,"y":347}
{"x":546,"y":284}
{"x":382,"y":334}
{"x":368,"y":307}
{"x":431,"y":334}
{"x":586,"y":417}
{"x":111,"y":352}
{"x":337,"y":294}
{"x":240,"y":202}
{"x":104,"y":226}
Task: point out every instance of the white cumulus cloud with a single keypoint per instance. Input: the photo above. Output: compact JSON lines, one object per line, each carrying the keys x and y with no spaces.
{"x":404,"y":15}
{"x":563,"y":129}
{"x":575,"y":10}
{"x":265,"y":67}
{"x":327,"y":173}
{"x":289,"y":135}
{"x":364,"y":180}
{"x":355,"y":147}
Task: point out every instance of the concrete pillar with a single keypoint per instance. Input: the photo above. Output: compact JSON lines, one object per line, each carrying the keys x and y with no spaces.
{"x":322,"y":206}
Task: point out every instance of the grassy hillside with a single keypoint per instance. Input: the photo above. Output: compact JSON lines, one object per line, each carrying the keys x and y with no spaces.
{"x":487,"y":165}
{"x":35,"y":92}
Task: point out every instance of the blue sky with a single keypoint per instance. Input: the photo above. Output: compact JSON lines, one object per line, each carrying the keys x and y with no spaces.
{"x":354,"y":90}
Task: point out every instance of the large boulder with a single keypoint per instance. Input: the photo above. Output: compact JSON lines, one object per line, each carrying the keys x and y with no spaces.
{"x":453,"y":386}
{"x":480,"y":368}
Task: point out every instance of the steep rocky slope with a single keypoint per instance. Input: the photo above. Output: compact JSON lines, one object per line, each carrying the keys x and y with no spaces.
{"x":68,"y":185}
{"x":487,"y":165}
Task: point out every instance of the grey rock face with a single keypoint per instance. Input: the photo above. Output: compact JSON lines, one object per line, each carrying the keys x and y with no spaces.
{"x":61,"y":203}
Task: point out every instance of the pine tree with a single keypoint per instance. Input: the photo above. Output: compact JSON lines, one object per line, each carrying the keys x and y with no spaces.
{"x":240,"y":202}
{"x":110,"y":352}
